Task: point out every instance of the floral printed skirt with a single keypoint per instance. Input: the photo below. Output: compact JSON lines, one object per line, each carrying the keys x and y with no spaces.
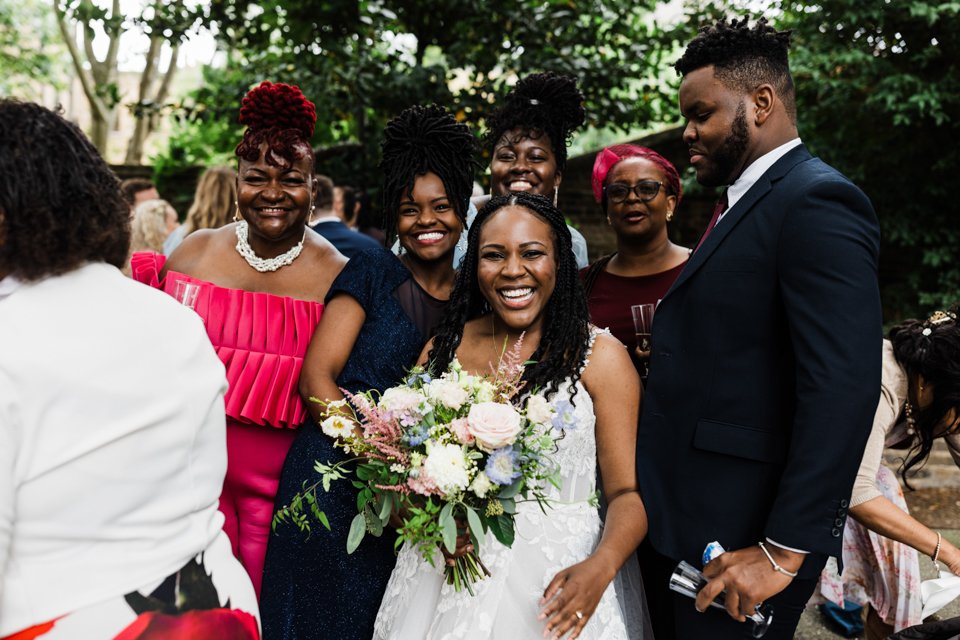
{"x":209,"y":597}
{"x":877,"y":571}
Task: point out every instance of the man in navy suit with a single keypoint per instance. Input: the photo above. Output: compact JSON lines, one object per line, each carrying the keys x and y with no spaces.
{"x":765,"y":365}
{"x":331,"y":226}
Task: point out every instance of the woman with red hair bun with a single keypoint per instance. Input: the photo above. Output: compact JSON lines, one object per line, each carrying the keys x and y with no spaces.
{"x":638,"y":191}
{"x":259,"y":286}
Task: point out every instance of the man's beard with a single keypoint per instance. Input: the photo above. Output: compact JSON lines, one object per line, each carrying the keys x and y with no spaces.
{"x":728,"y":157}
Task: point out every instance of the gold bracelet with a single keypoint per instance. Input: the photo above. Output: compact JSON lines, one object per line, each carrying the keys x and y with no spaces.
{"x":776,"y":567}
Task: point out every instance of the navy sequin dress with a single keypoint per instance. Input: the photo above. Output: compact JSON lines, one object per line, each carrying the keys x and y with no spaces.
{"x":311,"y":587}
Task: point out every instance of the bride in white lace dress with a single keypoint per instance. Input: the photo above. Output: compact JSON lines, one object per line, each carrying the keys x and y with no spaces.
{"x":562,"y":577}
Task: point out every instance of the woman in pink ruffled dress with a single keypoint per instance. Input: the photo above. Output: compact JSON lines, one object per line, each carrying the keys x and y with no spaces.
{"x":260,"y":287}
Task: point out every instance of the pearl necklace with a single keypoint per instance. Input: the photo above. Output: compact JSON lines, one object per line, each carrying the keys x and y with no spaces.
{"x":265,"y":264}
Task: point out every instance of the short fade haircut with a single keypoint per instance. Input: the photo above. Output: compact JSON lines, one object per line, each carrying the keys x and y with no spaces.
{"x":324,"y":201}
{"x":132,"y":186}
{"x":743,"y":57}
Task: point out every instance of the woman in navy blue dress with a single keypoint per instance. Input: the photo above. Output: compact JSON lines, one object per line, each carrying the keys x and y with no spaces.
{"x":380,"y":312}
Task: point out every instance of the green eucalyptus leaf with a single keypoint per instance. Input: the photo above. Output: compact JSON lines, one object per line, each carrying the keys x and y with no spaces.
{"x":358,"y":529}
{"x":449,"y":530}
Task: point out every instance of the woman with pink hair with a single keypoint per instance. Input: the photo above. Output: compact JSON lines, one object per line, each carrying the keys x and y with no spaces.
{"x":638,"y":191}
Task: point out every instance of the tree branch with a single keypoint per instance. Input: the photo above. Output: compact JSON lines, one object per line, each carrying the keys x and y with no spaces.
{"x":85,"y":80}
{"x":164,"y":88}
{"x":110,"y":62}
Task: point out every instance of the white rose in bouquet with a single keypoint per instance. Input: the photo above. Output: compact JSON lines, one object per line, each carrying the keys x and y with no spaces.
{"x":481,"y":485}
{"x":493,"y":424}
{"x":446,"y":465}
{"x":448,"y":393}
{"x":485,"y":391}
{"x":400,"y":400}
{"x":539,"y":410}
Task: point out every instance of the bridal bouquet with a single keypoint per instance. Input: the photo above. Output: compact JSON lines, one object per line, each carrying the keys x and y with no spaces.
{"x":451,"y":455}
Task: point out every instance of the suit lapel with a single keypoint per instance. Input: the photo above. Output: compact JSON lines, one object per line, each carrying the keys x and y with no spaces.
{"x":738,"y":211}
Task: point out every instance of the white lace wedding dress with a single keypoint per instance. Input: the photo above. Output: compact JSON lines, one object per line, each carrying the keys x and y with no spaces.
{"x":418,"y":604}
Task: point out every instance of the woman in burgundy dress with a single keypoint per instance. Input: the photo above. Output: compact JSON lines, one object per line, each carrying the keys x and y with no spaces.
{"x":262,"y":282}
{"x":638,"y":190}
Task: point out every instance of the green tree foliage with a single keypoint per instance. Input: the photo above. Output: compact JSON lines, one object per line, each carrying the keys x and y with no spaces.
{"x":363,"y":62}
{"x":879,"y":92}
{"x":166,"y":23}
{"x":30,"y":49}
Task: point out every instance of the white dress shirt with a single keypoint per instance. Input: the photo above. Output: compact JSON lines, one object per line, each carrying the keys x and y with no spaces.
{"x":112,"y":441}
{"x":753,"y":172}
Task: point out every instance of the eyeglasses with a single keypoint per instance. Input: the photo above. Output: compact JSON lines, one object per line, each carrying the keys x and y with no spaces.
{"x":646,"y":190}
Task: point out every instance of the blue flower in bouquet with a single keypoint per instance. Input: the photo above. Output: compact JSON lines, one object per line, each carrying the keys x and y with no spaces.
{"x":416,"y":435}
{"x":565,"y":417}
{"x":502,"y":466}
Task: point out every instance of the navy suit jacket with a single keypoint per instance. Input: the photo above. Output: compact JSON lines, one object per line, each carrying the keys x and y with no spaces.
{"x":346,"y":240}
{"x":765,"y":370}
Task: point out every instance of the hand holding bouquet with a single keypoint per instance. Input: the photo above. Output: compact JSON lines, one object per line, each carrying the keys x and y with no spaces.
{"x":438,"y":451}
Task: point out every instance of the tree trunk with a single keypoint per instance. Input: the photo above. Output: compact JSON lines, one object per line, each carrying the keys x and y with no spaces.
{"x":99,"y":132}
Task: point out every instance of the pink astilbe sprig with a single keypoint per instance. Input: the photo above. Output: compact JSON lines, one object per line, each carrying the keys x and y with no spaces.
{"x":508,"y":374}
{"x":399,"y":488}
{"x":382,"y":433}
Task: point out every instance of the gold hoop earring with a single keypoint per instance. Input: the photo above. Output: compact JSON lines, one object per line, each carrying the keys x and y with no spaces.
{"x":669,"y":215}
{"x":236,"y":216}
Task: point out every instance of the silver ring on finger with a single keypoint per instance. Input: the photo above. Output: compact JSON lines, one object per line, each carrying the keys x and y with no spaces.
{"x":579,"y":614}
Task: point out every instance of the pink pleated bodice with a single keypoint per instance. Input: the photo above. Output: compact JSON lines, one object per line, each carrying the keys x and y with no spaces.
{"x":261,"y":339}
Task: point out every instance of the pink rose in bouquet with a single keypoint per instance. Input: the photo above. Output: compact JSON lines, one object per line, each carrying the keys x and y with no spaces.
{"x":493,"y":424}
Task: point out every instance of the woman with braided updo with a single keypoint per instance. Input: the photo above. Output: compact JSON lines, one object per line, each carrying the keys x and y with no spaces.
{"x":562,"y":573}
{"x":261,"y":283}
{"x":638,"y":191}
{"x":527,"y":137}
{"x":380,"y":312}
{"x":919,"y":403}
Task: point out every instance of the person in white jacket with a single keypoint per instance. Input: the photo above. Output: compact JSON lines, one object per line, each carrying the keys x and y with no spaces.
{"x":112,"y":438}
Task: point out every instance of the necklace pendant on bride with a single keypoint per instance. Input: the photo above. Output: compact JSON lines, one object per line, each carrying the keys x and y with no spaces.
{"x":264,"y":265}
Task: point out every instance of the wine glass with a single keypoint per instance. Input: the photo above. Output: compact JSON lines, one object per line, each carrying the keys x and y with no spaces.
{"x":688,"y":580}
{"x":186,"y":293}
{"x":642,"y":326}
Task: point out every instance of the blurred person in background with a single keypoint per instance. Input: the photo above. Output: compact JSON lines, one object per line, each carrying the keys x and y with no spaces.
{"x":151,"y":225}
{"x":328,"y":222}
{"x":214,"y":204}
{"x":137,"y":190}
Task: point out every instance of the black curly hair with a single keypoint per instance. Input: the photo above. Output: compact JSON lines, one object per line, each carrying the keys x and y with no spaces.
{"x":541,"y":103}
{"x":930,"y":348}
{"x":60,"y":204}
{"x":744,"y":57}
{"x":426,"y":140}
{"x":566,"y":327}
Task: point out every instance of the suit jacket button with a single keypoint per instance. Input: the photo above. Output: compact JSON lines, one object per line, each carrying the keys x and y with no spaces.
{"x":838,"y":522}
{"x":844,"y":503}
{"x":841,"y":512}
{"x":835,"y":532}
